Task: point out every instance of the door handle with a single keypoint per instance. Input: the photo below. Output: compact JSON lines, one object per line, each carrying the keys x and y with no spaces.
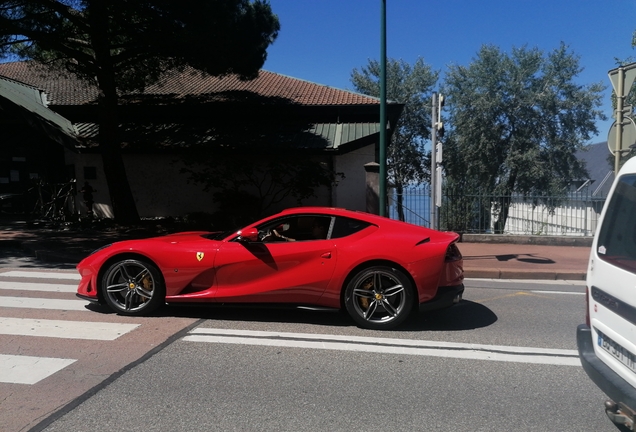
{"x":326,"y":255}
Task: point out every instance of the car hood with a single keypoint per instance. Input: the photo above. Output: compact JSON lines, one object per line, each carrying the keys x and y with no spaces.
{"x":153,"y":246}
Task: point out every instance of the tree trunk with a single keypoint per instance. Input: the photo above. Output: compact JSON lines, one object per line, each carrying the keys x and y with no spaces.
{"x":399,"y":192}
{"x":504,"y":203}
{"x":504,"y":208}
{"x":124,"y":207}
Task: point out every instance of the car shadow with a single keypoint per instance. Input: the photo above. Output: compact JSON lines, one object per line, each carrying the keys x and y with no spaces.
{"x":526,"y":258}
{"x":259,"y":313}
{"x":466,"y":315}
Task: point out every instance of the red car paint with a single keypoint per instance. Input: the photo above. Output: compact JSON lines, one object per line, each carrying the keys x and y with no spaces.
{"x":315,"y":272}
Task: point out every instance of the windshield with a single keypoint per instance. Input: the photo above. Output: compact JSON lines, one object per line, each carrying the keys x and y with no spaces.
{"x":219,"y":235}
{"x":617,"y":238}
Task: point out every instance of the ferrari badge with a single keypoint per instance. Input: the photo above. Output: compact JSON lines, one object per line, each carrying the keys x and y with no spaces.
{"x":200,"y":256}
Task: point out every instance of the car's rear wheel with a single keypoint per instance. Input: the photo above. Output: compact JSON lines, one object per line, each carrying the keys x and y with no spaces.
{"x":133,"y":287}
{"x":379,"y":297}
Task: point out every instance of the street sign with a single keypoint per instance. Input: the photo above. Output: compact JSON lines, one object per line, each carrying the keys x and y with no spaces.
{"x":630,"y":74}
{"x":628,"y":136}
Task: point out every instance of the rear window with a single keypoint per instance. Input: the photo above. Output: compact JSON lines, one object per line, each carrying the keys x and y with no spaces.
{"x":617,"y":238}
{"x":345,"y":226}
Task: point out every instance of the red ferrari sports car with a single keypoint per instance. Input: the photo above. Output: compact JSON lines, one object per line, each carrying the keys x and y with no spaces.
{"x":379,"y":270}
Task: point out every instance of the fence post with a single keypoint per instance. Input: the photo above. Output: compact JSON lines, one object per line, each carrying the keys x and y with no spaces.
{"x":372,"y":188}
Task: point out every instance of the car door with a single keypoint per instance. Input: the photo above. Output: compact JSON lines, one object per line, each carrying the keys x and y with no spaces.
{"x":289,"y":270}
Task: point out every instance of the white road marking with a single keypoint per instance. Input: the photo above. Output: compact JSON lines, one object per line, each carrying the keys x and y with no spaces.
{"x":530,"y":281}
{"x":26,"y":286}
{"x":42,"y":275}
{"x":16,"y":369}
{"x":64,"y":329}
{"x":43,"y":303}
{"x":388,"y":346}
{"x":558,"y":292}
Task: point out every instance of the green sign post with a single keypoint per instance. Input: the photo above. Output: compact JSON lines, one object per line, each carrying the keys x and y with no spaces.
{"x":622,"y":79}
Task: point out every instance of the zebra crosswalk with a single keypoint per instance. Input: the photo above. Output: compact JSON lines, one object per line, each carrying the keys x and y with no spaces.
{"x":37,"y":292}
{"x":21,"y":369}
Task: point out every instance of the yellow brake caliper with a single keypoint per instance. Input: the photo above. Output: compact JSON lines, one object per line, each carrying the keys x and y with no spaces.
{"x":147,"y":284}
{"x":368,"y":285}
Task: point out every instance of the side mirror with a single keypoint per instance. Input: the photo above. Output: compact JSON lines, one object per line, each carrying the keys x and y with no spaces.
{"x":248,"y":234}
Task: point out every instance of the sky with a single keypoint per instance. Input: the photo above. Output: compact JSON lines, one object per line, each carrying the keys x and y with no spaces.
{"x":323,"y":41}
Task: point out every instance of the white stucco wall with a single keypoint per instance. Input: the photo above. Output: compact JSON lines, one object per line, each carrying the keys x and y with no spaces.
{"x":160,"y":190}
{"x":102,"y":206}
{"x":350,"y":192}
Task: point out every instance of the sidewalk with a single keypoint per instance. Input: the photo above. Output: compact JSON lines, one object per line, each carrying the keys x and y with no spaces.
{"x":481,"y":260}
{"x":524,"y":261}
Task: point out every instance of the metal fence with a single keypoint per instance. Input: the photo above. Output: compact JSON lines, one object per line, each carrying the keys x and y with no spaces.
{"x":575,"y":214}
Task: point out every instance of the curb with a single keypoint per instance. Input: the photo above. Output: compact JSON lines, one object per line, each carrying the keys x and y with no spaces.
{"x":522,"y":274}
{"x":583,"y":241}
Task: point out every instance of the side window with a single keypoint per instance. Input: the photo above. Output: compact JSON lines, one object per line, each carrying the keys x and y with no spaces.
{"x":296,"y":228}
{"x":617,"y":238}
{"x":345,"y":226}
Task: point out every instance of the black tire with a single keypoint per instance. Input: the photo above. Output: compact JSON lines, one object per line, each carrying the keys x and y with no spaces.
{"x":133,"y":287}
{"x":379,"y":298}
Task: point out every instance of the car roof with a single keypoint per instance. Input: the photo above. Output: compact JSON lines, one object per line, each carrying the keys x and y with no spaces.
{"x":335,"y":211}
{"x":380,"y":221}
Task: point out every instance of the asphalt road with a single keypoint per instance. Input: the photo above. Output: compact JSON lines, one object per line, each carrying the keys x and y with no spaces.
{"x":55,"y":348}
{"x":503,"y":359}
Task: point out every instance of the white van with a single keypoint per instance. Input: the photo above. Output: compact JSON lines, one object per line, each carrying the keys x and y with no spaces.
{"x":607,"y":341}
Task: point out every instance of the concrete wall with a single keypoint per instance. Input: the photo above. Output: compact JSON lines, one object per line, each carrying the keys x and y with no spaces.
{"x":350,"y":192}
{"x":160,"y":190}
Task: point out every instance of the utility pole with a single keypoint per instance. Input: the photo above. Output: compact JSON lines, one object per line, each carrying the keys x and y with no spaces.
{"x":383,"y":134}
{"x":619,"y":119}
{"x":437,"y":131}
{"x":433,"y":215}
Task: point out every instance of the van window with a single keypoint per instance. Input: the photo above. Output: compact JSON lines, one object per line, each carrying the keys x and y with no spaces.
{"x":617,"y":238}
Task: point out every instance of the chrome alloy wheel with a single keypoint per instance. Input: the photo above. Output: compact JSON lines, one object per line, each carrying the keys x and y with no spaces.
{"x":379,"y":297}
{"x":132,"y":287}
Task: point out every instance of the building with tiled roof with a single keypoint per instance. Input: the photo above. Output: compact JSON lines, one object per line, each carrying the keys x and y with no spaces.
{"x":67,"y":90}
{"x":341,"y":128}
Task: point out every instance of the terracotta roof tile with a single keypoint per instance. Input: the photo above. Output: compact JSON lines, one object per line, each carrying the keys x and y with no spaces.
{"x":67,"y":90}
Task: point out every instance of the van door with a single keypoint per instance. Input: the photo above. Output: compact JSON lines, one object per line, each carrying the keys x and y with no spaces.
{"x":612,"y":281}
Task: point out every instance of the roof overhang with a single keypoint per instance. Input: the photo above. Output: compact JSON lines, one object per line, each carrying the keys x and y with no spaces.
{"x":31,"y":102}
{"x":345,"y":136}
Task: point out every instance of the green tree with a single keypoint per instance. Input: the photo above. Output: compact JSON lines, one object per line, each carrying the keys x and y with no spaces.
{"x":122,"y":45}
{"x":256,"y":169}
{"x":517,"y":121}
{"x":251,"y":186}
{"x":411,"y":85}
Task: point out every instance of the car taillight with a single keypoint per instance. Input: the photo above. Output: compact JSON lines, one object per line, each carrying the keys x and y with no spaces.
{"x":452,"y":253}
{"x":587,"y":306}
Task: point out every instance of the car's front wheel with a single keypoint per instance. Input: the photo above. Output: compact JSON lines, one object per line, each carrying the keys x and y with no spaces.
{"x":133,"y":287}
{"x":379,"y":297}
